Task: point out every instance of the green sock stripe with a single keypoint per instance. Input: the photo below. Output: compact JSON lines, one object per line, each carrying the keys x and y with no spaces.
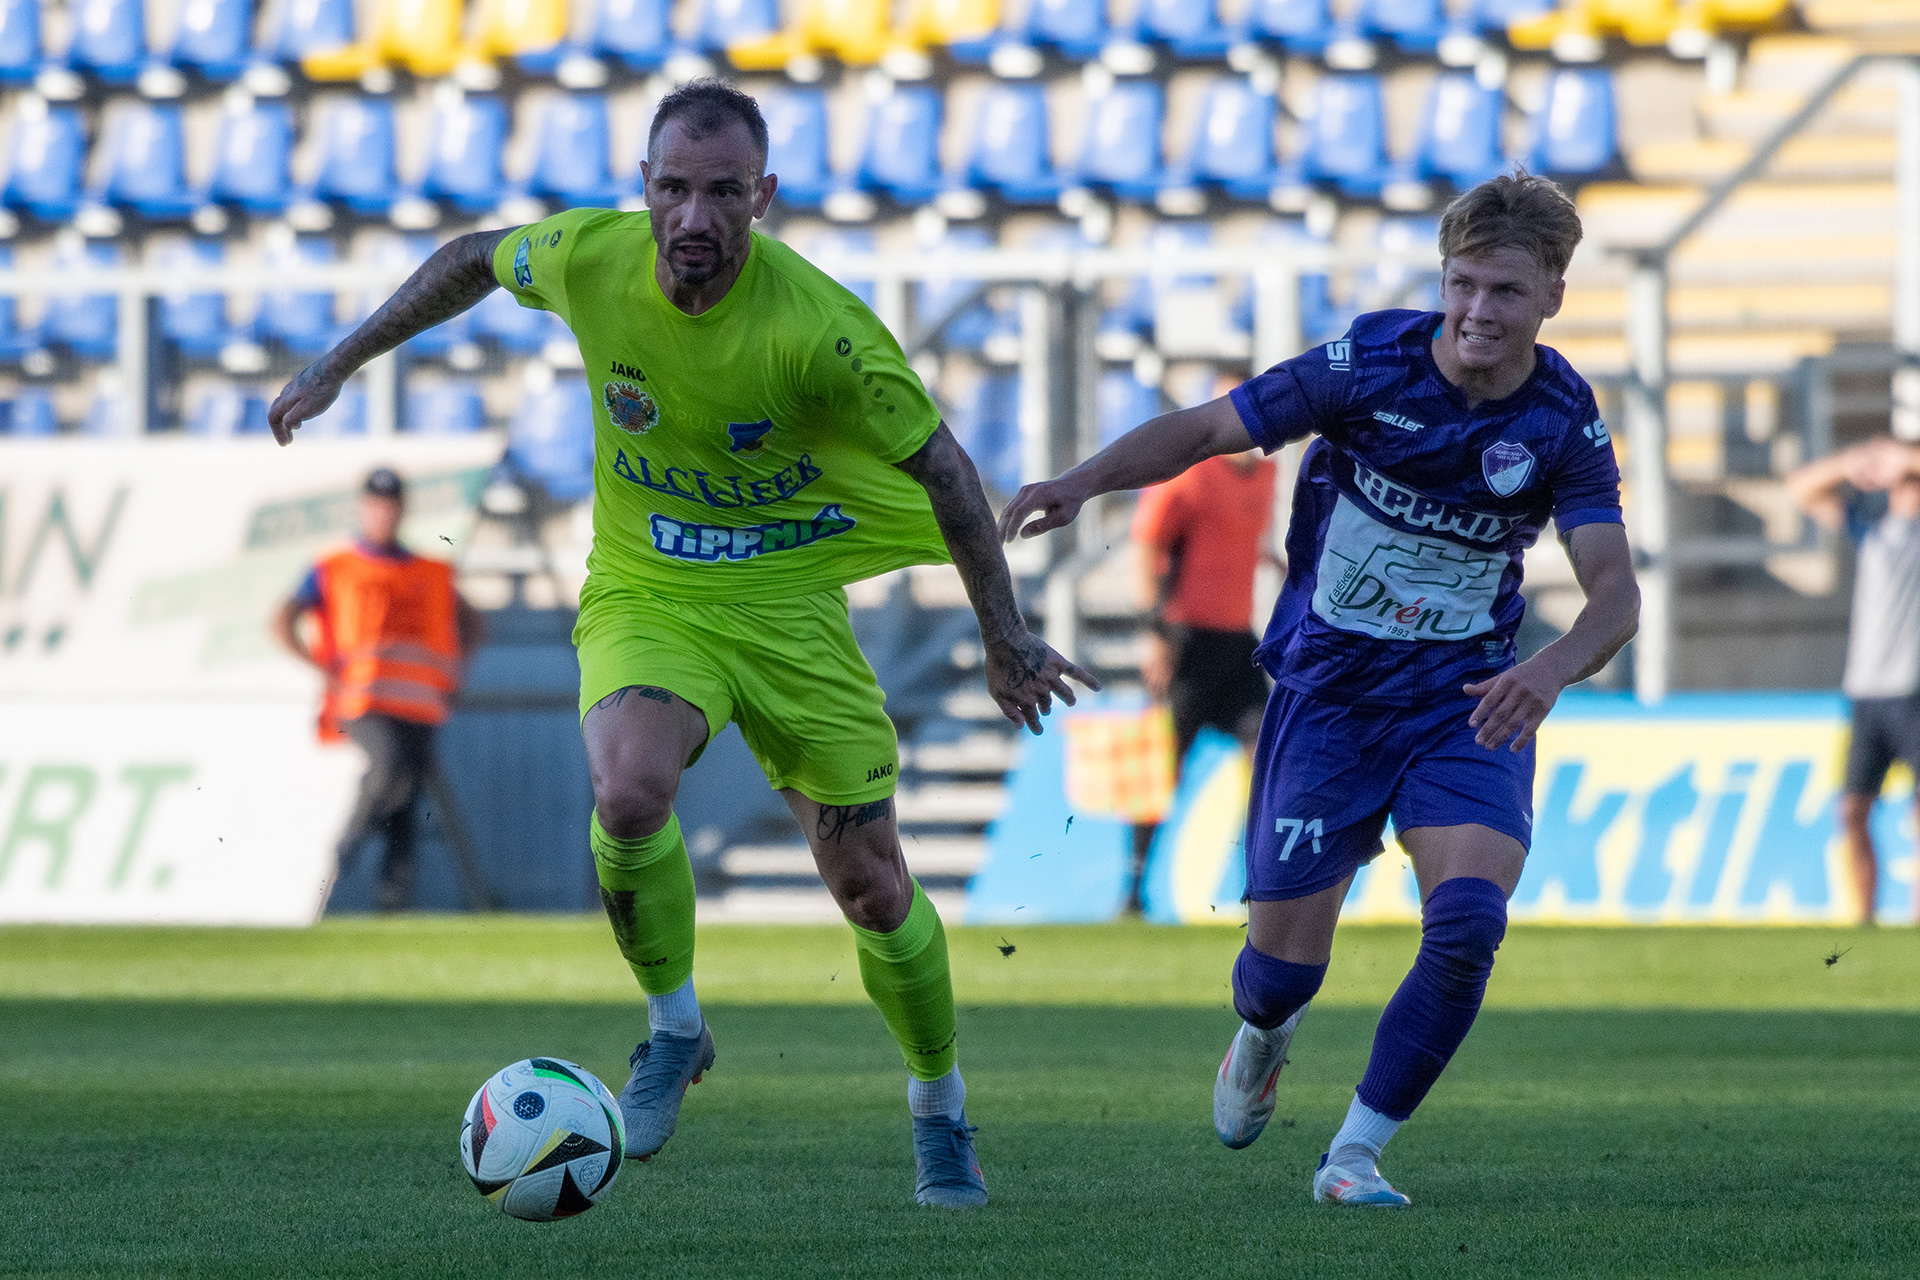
{"x":909,"y":940}
{"x":620,"y":863}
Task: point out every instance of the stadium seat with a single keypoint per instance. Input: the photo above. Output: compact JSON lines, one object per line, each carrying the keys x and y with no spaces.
{"x":109,"y":40}
{"x":87,"y":325}
{"x":1188,"y":28}
{"x":829,"y":242}
{"x":13,"y":342}
{"x":1301,"y":26}
{"x":797,"y":145}
{"x":531,"y":32}
{"x":572,"y":162}
{"x":250,"y":156}
{"x":1232,"y":146}
{"x":1010,"y":152}
{"x":948,"y":23}
{"x":857,"y":32}
{"x":902,"y":153}
{"x":936,"y":296}
{"x":311,"y":26}
{"x":304,"y":322}
{"x":143,"y":165}
{"x":19,"y":41}
{"x":46,"y":155}
{"x":467,"y":135}
{"x":1074,"y":29}
{"x":1495,"y":15}
{"x":1460,"y":131}
{"x":356,"y":154}
{"x":636,"y":33}
{"x":511,"y":327}
{"x":444,"y":409}
{"x":1574,"y":133}
{"x":1320,"y":319}
{"x":194,"y":324}
{"x":987,"y":425}
{"x":1414,"y":26}
{"x":719,"y":23}
{"x":1122,"y":403}
{"x":1346,"y":137}
{"x":421,"y":35}
{"x":31,"y":413}
{"x":550,"y":439}
{"x":214,"y":38}
{"x":1121,"y":151}
{"x":225,"y":409}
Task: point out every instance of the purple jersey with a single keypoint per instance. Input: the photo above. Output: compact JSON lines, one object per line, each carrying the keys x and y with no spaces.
{"x":1412,"y":511}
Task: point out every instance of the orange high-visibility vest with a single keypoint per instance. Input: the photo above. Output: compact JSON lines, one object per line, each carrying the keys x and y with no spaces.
{"x":389,"y":631}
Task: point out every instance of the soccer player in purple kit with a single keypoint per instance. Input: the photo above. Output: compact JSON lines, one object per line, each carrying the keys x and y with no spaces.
{"x":1446,"y":441}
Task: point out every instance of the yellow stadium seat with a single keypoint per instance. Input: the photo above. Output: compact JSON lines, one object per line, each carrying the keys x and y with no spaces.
{"x":506,"y":28}
{"x":938,"y":22}
{"x":421,"y":35}
{"x":854,"y":31}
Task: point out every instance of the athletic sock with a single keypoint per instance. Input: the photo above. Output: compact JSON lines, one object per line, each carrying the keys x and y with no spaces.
{"x":646,"y":885}
{"x":905,"y":974}
{"x":946,"y":1096}
{"x":675,"y":1014}
{"x":1361,"y":1139}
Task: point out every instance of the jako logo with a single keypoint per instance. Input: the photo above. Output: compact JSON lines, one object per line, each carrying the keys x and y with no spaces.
{"x":884,"y":771}
{"x":1395,"y":420}
{"x":1340,"y":355}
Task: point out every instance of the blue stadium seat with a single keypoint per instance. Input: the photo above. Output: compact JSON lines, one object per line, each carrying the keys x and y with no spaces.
{"x":463,"y":154}
{"x":1460,"y":131}
{"x":902,"y":153}
{"x":1073,"y":28}
{"x":550,"y":439}
{"x":301,"y":322}
{"x":829,"y":241}
{"x":346,"y":416}
{"x":1133,"y":316}
{"x":797,"y":145}
{"x":988,"y":428}
{"x":1010,"y":152}
{"x":1320,"y":319}
{"x":444,"y":409}
{"x":19,"y":41}
{"x":48,"y":150}
{"x":195,"y":324}
{"x":214,"y":37}
{"x":935,"y":296}
{"x":511,"y":327}
{"x":573,"y":163}
{"x":356,"y":154}
{"x":1346,"y":138}
{"x":636,"y":33}
{"x":1574,"y":133}
{"x":719,"y":23}
{"x":1414,"y":26}
{"x":311,"y":26}
{"x":1189,"y":28}
{"x":145,"y":162}
{"x":88,"y":325}
{"x":1301,"y":26}
{"x":31,"y":413}
{"x":250,"y":157}
{"x":1494,"y":15}
{"x":1232,"y":141}
{"x":1121,"y":152}
{"x":1387,"y":283}
{"x":1121,"y":404}
{"x":109,"y":39}
{"x":225,"y":409}
{"x":13,"y":342}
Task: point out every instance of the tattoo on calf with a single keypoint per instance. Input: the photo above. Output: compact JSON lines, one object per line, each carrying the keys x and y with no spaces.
{"x":836,"y":818}
{"x":647,"y":691}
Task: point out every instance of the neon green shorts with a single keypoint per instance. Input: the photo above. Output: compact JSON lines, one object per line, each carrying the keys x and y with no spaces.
{"x":786,"y":671}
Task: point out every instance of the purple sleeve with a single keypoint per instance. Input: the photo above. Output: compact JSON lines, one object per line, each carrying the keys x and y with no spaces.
{"x":1586,"y":478}
{"x":1296,"y":397}
{"x":307,"y":594}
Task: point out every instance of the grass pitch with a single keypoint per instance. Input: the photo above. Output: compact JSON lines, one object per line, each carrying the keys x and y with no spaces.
{"x":1632,"y":1103}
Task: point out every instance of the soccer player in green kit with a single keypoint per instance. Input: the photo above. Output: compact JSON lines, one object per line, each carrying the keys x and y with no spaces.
{"x":760,"y":442}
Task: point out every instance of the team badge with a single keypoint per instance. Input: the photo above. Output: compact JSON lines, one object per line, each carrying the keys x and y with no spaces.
{"x":629,"y":408}
{"x":747,"y":437}
{"x":1506,"y":467}
{"x":522,"y":264}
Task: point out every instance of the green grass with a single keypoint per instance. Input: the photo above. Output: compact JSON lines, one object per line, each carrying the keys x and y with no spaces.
{"x":1632,"y":1103}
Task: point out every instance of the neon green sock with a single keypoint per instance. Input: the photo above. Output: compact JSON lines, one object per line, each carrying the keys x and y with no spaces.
{"x":905,"y":972}
{"x":646,"y":886}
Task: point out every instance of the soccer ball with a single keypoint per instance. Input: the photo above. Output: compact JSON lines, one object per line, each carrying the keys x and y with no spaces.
{"x":542,"y":1139}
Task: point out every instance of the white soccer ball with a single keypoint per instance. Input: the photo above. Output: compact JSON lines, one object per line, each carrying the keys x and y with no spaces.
{"x":542,"y":1139}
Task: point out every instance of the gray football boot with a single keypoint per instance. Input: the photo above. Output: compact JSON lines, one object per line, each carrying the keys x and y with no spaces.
{"x":663,"y":1067}
{"x":946,"y":1171}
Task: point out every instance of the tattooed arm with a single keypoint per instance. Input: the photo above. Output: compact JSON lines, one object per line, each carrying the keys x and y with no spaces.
{"x":1023,"y":673}
{"x":459,"y":274}
{"x":1514,"y":703}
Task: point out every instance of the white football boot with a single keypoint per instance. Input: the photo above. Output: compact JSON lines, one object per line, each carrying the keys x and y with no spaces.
{"x":1245,"y":1088}
{"x":1337,"y":1184}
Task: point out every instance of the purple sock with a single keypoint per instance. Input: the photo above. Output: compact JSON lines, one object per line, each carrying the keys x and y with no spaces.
{"x":1267,"y":991}
{"x":1462,"y":924}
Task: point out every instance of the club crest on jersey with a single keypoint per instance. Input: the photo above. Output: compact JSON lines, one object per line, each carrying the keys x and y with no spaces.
{"x":523,"y":264}
{"x":747,"y":437}
{"x":629,"y":408}
{"x":1506,"y":467}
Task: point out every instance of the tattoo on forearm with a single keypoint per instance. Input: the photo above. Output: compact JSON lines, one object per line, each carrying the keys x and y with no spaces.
{"x":834,"y":819}
{"x":618,"y":696}
{"x":966,"y":522}
{"x":458,"y":275}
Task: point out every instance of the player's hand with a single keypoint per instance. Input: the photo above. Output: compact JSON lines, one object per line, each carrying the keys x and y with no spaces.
{"x":1024,"y":674}
{"x":1056,"y":501}
{"x":306,"y":397}
{"x":1512,"y":705}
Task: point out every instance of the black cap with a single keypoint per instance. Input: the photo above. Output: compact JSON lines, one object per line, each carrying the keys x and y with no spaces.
{"x":383,"y":482}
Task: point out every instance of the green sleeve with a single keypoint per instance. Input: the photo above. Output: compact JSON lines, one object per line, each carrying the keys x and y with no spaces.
{"x":873,"y":396}
{"x":531,"y":263}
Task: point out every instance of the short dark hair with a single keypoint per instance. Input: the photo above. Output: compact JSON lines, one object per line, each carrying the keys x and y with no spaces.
{"x":705,"y":107}
{"x":1517,"y":210}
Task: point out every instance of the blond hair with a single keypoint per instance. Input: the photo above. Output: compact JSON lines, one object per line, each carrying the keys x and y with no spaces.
{"x":1517,"y":210}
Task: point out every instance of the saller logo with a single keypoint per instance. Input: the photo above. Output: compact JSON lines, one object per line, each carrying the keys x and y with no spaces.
{"x":1395,"y":420}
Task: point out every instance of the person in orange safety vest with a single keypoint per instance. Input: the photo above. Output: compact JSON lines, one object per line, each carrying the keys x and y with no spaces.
{"x":391,"y":635}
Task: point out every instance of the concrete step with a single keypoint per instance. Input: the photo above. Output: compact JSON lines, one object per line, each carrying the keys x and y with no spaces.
{"x":977,"y":753}
{"x":955,"y":803}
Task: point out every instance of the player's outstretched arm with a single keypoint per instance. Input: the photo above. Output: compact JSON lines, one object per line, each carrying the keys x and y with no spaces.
{"x":1158,"y":449}
{"x":1023,"y":672}
{"x":1514,"y":703}
{"x":459,"y":274}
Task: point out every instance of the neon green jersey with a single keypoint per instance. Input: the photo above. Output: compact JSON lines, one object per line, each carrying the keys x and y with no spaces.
{"x":743,"y":453}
